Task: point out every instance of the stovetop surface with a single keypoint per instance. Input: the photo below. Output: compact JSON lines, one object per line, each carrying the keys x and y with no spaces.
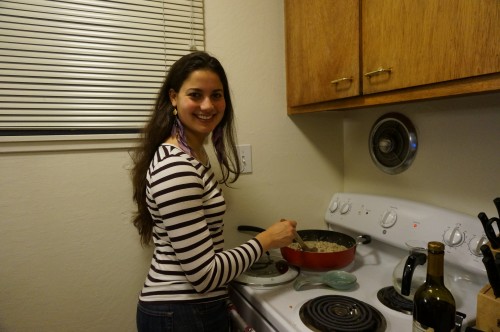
{"x":373,"y":266}
{"x":391,"y":223}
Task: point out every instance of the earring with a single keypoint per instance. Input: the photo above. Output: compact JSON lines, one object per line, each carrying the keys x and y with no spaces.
{"x":174,"y":112}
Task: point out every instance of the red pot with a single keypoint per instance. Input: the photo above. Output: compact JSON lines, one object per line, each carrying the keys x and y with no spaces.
{"x":320,"y":261}
{"x":323,"y":261}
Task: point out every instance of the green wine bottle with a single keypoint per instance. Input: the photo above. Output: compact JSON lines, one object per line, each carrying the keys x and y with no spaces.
{"x":433,"y":304}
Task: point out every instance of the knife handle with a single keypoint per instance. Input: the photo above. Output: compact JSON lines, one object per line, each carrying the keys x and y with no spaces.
{"x":486,"y":251}
{"x":492,"y":269}
{"x":495,"y":241}
{"x":496,"y":201}
{"x":497,"y":220}
{"x":493,"y":276}
{"x":488,"y":229}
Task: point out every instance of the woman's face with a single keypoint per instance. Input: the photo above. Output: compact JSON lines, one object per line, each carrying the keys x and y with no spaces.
{"x":200,"y":103}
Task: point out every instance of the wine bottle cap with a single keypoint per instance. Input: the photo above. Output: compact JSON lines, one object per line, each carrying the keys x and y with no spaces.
{"x":436,"y":246}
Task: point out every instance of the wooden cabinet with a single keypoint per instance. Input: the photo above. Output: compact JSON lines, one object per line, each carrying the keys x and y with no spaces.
{"x":322,"y":44}
{"x":428,"y":41}
{"x":415,"y":49}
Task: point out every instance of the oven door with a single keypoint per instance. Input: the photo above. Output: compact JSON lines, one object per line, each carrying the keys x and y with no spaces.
{"x":251,"y":317}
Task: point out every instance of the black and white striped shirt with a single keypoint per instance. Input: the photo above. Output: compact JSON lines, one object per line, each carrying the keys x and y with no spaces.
{"x":187,"y":206}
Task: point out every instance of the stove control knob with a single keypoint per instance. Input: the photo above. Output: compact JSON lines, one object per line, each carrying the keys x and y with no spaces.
{"x":334,"y":206}
{"x":346,"y":207}
{"x":453,"y":237}
{"x":476,"y":243}
{"x":389,"y":218}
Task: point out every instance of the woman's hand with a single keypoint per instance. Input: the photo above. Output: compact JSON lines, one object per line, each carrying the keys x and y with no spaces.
{"x":277,"y":235}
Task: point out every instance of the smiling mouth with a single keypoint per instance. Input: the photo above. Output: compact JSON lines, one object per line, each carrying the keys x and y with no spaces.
{"x":204,"y":117}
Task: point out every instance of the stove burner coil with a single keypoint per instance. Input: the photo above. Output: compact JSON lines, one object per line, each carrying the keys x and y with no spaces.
{"x":389,"y":297}
{"x":341,"y":314}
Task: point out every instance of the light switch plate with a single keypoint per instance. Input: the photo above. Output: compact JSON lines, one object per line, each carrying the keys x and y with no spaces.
{"x":245,"y":155}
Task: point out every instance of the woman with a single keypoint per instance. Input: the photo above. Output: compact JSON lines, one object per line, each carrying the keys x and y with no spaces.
{"x":180,"y":204}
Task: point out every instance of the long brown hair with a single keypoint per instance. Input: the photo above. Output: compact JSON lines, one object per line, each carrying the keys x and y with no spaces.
{"x":160,"y":126}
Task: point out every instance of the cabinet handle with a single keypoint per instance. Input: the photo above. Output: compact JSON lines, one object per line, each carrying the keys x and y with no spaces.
{"x":378,"y":72}
{"x":337,"y":81}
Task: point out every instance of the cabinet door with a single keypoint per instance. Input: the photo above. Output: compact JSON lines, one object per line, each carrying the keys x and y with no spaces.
{"x":428,"y":41}
{"x":322,"y":50}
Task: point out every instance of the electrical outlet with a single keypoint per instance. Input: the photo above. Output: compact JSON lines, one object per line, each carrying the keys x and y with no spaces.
{"x":245,"y":155}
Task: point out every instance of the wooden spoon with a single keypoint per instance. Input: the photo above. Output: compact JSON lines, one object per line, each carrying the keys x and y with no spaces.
{"x":304,"y":246}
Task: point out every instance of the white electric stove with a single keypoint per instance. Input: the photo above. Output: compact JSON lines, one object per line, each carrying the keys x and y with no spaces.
{"x":391,"y":223}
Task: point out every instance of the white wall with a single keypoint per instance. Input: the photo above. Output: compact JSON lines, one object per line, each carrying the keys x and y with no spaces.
{"x":70,"y":258}
{"x":458,"y":158}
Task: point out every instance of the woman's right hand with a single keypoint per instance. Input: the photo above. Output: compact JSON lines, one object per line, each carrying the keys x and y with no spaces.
{"x":278,"y":235}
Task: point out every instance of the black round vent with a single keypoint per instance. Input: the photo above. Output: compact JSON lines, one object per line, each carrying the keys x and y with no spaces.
{"x":393,"y":143}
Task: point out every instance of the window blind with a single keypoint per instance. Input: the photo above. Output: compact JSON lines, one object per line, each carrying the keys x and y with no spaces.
{"x":89,"y":65}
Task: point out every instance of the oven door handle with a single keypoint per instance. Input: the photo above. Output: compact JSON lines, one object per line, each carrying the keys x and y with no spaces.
{"x":241,"y":324}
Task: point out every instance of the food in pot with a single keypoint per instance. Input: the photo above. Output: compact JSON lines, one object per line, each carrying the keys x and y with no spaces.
{"x":322,"y":246}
